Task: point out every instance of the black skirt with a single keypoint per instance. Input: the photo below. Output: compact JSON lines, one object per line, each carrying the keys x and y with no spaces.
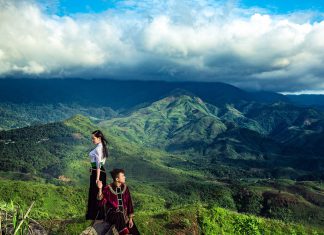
{"x":93,"y":210}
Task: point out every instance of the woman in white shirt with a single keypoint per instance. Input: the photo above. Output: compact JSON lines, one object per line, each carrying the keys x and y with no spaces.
{"x":98,"y":173}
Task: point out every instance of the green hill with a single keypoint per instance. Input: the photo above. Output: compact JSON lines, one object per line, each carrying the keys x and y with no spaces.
{"x":60,"y":210}
{"x":280,"y":115}
{"x":168,"y":121}
{"x":60,"y":149}
{"x":16,"y":115}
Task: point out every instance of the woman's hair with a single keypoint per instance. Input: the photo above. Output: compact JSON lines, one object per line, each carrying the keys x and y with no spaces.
{"x":98,"y":133}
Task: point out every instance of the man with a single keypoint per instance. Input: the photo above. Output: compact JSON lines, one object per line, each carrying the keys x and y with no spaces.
{"x":117,"y":199}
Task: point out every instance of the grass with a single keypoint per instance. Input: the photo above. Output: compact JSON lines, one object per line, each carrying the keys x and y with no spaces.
{"x":217,"y":220}
{"x":160,"y":208}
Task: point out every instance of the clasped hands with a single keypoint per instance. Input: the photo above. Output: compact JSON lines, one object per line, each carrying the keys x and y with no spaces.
{"x":99,"y":183}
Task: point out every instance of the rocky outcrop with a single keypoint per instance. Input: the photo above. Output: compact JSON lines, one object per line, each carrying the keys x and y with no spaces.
{"x":100,"y":228}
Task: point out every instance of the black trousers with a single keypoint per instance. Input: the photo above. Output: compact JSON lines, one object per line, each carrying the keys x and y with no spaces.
{"x":118,"y":219}
{"x":93,"y":210}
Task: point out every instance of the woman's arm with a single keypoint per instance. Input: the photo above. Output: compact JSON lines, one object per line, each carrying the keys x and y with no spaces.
{"x":98,"y":158}
{"x":101,"y":195}
{"x":98,"y":175}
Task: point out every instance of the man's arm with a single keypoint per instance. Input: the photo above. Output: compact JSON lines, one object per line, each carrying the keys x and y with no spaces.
{"x":130,"y":208}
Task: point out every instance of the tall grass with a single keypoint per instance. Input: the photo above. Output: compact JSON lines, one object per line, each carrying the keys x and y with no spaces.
{"x":14,"y":219}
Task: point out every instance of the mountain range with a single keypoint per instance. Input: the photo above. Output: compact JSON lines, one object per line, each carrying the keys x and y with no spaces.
{"x":242,"y":138}
{"x":254,"y":152}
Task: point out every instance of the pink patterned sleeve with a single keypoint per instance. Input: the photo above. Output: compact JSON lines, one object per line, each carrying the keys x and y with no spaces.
{"x":130,"y":208}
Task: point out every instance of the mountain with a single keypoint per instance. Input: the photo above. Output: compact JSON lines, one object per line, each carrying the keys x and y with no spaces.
{"x":14,"y":115}
{"x":120,"y":95}
{"x":174,"y":119}
{"x":308,"y":100}
{"x":178,"y":148}
{"x":236,"y":115}
{"x":179,"y":118}
{"x":259,"y":137}
{"x":281,"y":115}
{"x":252,"y":142}
{"x":268,"y":97}
{"x":40,"y":101}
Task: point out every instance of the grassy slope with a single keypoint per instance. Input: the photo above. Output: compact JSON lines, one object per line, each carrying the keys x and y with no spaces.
{"x":64,"y":206}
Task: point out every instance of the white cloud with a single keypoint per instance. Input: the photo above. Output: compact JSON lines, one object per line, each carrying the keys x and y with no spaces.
{"x":172,"y":40}
{"x":305,"y":92}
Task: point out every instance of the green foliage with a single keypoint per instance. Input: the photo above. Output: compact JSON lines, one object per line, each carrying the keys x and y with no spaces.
{"x":13,"y":218}
{"x":65,"y":205}
{"x":248,"y":201}
{"x":172,"y":122}
{"x":15,"y":115}
{"x":50,"y":201}
{"x":220,"y":221}
{"x":36,"y":150}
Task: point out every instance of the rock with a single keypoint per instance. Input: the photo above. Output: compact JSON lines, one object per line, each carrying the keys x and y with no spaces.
{"x":34,"y":229}
{"x":100,"y":228}
{"x":37,"y":229}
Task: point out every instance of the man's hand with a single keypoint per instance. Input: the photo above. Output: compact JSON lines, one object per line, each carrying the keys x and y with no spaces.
{"x":131,"y":222}
{"x":99,"y":184}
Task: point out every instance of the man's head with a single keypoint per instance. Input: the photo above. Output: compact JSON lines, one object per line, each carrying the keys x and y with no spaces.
{"x":118,"y":175}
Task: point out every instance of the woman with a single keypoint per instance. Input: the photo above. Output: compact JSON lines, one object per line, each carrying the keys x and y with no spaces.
{"x":98,"y":173}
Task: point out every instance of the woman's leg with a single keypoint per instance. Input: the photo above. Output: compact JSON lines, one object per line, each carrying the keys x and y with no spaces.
{"x":102,"y":178}
{"x":92,"y":199}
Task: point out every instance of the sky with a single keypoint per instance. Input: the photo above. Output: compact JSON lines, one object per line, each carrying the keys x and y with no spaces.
{"x":258,"y":45}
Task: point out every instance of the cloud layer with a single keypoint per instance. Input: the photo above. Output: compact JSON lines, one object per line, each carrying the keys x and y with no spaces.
{"x":173,"y":40}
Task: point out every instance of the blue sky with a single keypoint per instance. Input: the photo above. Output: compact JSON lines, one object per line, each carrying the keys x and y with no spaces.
{"x":67,"y":7}
{"x":285,"y":6}
{"x":261,"y":45}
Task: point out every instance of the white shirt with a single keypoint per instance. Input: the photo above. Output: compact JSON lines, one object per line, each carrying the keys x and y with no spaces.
{"x":96,"y":155}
